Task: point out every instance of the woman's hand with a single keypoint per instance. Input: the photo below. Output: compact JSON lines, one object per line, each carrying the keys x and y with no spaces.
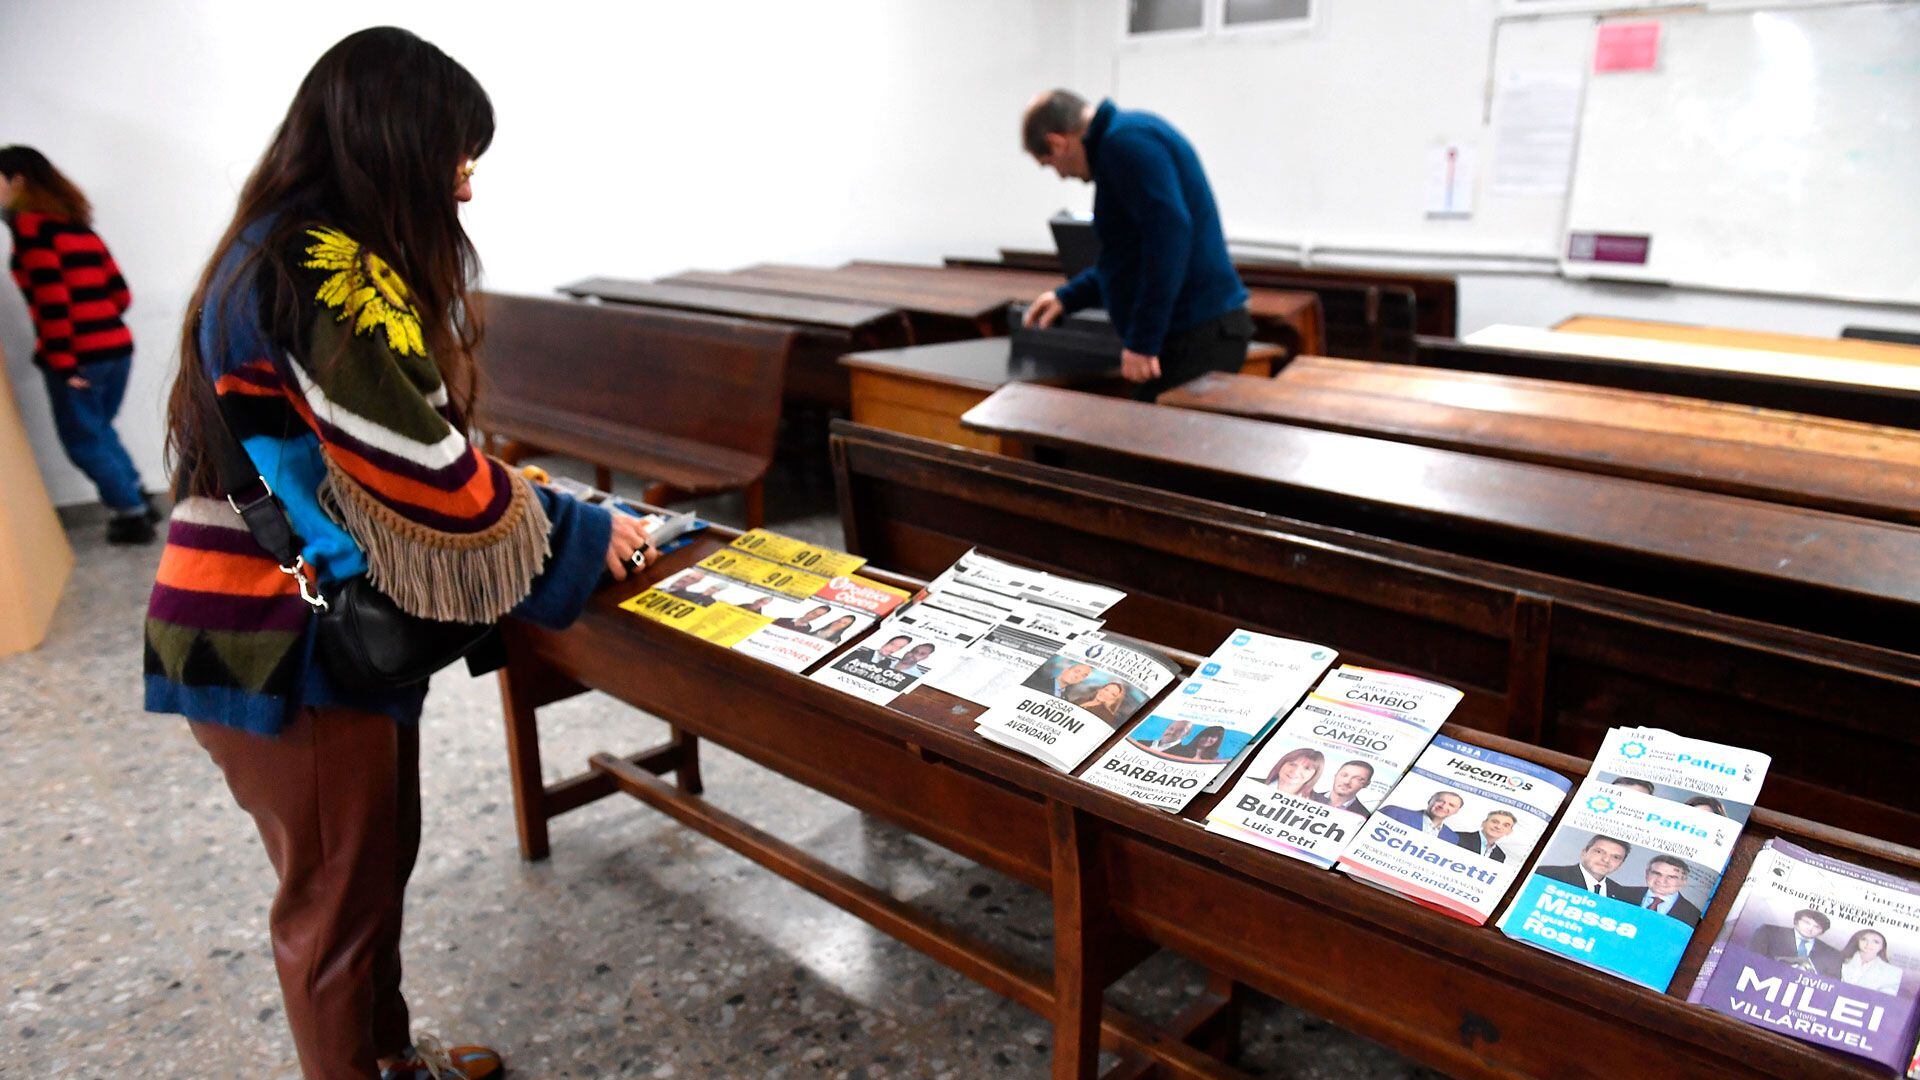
{"x":78,"y":382}
{"x":628,"y":539}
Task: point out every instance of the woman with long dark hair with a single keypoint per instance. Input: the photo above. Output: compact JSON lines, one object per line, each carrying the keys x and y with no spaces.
{"x":1864,"y":962}
{"x":332,"y":335}
{"x":77,"y":298}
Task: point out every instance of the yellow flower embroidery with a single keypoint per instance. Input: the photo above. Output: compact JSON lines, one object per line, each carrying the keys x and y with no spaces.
{"x":366,"y":290}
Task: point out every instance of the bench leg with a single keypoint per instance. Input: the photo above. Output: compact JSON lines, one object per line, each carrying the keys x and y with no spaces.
{"x":687,"y":772}
{"x":755,"y":496}
{"x":1078,"y":982}
{"x":603,"y":478}
{"x":523,"y":765}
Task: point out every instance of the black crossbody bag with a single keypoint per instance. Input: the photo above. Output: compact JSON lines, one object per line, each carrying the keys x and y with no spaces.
{"x":365,"y":641}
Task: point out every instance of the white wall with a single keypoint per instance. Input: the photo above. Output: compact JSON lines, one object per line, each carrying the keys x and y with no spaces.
{"x":639,"y":139}
{"x":634,"y":139}
{"x":1320,"y":139}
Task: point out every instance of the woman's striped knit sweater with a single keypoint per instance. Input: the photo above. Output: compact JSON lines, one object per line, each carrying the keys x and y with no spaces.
{"x":74,"y":291}
{"x":352,"y":429}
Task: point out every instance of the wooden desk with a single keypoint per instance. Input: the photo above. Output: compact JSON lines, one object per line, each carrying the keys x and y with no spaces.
{"x":925,"y":390}
{"x":1784,"y":382}
{"x":825,"y":330}
{"x":35,"y":557}
{"x":1804,"y":344}
{"x":974,"y":300}
{"x":979,"y":296}
{"x":1871,"y":374}
{"x":1779,"y":457}
{"x":1545,"y":658}
{"x":763,"y":307}
{"x":1125,"y":878}
{"x":1846,"y":576}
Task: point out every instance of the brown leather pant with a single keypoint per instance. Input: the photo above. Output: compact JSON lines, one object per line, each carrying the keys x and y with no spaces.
{"x":336,"y":797}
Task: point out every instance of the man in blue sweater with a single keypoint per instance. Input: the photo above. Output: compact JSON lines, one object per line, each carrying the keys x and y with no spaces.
{"x":1163,"y":274}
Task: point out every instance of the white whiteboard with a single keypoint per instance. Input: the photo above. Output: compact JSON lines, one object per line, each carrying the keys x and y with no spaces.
{"x":1324,"y":139}
{"x":1771,"y":151}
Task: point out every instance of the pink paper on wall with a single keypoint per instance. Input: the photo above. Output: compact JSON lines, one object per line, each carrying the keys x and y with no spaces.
{"x":1627,"y":47}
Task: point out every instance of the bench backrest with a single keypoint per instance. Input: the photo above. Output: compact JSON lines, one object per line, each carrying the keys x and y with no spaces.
{"x":641,"y":381}
{"x":1843,"y":576}
{"x":1545,"y":659}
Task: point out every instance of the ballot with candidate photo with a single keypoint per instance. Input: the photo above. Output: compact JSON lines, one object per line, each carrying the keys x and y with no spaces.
{"x":1073,"y":702}
{"x":1210,"y":720}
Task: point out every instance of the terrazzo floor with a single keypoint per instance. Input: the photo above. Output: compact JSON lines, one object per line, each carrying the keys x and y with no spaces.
{"x":134,"y":897}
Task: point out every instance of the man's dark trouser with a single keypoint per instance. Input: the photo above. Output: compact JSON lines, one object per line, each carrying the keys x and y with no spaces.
{"x":1219,"y":344}
{"x":337,"y":799}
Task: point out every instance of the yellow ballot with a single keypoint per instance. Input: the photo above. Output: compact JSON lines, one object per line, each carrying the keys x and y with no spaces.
{"x":784,"y":580}
{"x":801,"y":556}
{"x":722,"y":624}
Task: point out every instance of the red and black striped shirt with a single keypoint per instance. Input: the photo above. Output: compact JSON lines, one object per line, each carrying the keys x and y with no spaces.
{"x":74,"y":290}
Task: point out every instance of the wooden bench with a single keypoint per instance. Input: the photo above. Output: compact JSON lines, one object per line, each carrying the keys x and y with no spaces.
{"x":942,"y":309}
{"x":1546,"y":658}
{"x":1842,"y":576}
{"x":978,"y":298}
{"x":1782,"y":457}
{"x":1842,"y":400}
{"x":1124,"y":878}
{"x":826,"y":329}
{"x":689,"y":402}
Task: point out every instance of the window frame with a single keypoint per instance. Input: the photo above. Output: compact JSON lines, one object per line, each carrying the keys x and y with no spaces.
{"x":1153,"y":37}
{"x":1268,"y":28}
{"x":1213,"y":27}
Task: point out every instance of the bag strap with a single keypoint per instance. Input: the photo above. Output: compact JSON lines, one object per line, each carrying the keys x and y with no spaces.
{"x":265,"y":516}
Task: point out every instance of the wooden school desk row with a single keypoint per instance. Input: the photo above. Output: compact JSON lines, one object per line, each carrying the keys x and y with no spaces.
{"x":1123,"y":878}
{"x":1557,"y":632}
{"x":1865,"y":470}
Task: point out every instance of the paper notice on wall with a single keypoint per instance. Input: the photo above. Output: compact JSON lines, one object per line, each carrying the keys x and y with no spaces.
{"x":1450,"y":177}
{"x":1536,"y":115}
{"x":1626,"y":47}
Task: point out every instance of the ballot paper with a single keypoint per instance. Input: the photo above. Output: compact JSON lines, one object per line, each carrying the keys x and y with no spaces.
{"x":1066,"y":708}
{"x":902,"y":652}
{"x":798,"y":554}
{"x":1713,"y":776}
{"x":1455,"y":832}
{"x":1210,"y":720}
{"x":753,"y":617}
{"x":998,"y":576}
{"x":1022,"y":637}
{"x":1309,"y":790}
{"x":1832,"y":987}
{"x":1585,"y":899}
{"x":760,"y":573}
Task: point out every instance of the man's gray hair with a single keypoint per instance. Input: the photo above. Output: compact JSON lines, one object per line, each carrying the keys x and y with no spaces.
{"x":1061,"y":112}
